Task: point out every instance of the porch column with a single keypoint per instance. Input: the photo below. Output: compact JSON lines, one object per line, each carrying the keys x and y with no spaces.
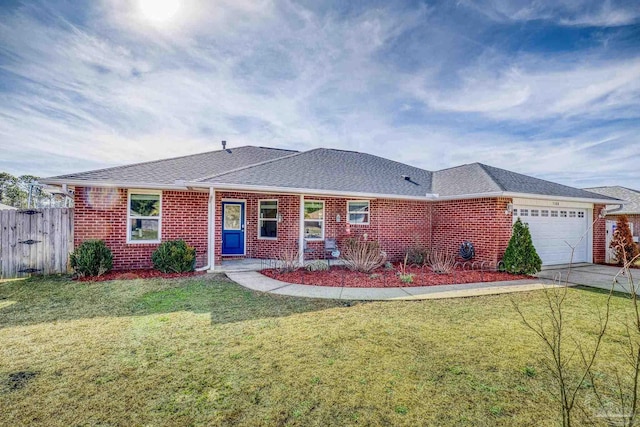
{"x":301,"y":232}
{"x":212,"y":230}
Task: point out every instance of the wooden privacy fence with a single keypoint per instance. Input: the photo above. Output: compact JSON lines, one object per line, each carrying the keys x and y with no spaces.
{"x":35,"y":241}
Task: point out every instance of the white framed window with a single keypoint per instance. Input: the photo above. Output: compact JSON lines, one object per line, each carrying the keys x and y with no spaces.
{"x":524,"y":212}
{"x":572,"y":214}
{"x":563,"y":214}
{"x":534,"y":212}
{"x":554,"y":214}
{"x":580,"y":214}
{"x":544,"y":212}
{"x":268,"y":219}
{"x":358,"y":212}
{"x":314,"y":220}
{"x":144,"y":216}
{"x":515,"y":212}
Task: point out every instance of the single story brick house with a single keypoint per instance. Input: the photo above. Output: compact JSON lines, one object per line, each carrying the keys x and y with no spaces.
{"x":255,"y":202}
{"x":631,"y":209}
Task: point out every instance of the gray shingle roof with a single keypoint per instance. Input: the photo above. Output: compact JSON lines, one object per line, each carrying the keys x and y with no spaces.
{"x":337,"y":170}
{"x":189,"y":168}
{"x":329,"y":170}
{"x":632,"y":197}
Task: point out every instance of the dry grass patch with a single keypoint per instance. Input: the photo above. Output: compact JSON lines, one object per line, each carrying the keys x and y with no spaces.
{"x":204,"y":351}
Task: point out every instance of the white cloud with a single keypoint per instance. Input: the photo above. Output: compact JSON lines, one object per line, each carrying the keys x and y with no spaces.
{"x":585,"y":13}
{"x":117,"y":90}
{"x":535,"y":89}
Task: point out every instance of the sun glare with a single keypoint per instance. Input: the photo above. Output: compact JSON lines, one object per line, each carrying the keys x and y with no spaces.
{"x":159,"y":11}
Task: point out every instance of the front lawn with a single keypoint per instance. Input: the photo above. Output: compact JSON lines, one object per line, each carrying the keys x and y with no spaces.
{"x":204,"y":351}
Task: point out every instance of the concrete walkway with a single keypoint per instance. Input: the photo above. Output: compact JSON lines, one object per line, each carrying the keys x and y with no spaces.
{"x":594,"y":275}
{"x":258,"y":282}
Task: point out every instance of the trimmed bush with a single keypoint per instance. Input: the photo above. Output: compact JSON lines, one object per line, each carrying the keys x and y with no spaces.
{"x":521,"y":256}
{"x":174,"y":256}
{"x":91,"y":259}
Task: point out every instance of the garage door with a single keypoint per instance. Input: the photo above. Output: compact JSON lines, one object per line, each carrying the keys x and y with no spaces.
{"x":551,"y":230}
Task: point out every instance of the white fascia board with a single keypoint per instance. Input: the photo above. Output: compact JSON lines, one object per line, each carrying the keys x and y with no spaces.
{"x":508,"y":194}
{"x":116,"y":184}
{"x":306,"y":191}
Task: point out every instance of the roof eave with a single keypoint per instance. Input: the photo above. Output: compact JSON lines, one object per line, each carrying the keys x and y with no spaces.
{"x":510,"y":194}
{"x":114,"y":184}
{"x":307,"y":191}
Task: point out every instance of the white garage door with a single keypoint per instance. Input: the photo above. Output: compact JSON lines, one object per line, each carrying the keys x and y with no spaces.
{"x":551,"y":230}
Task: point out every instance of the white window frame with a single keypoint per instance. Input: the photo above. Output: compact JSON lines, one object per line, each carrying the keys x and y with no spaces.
{"x":304,"y":220}
{"x":349,"y":212}
{"x":268,"y":219}
{"x":129,"y":217}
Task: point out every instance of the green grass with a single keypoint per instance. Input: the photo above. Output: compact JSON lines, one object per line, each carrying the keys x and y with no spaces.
{"x":204,"y":351}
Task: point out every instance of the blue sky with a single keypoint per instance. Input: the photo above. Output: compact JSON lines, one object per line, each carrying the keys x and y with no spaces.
{"x":550,"y":89}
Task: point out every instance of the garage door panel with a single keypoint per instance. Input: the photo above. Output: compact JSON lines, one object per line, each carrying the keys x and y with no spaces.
{"x":553,"y":233}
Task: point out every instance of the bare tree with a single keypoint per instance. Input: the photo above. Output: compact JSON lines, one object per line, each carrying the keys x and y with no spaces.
{"x":560,"y":347}
{"x":627,"y":384}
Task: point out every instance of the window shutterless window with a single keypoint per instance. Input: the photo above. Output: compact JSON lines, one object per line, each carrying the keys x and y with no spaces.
{"x":144,"y":216}
{"x":268,"y":219}
{"x":358,"y":212}
{"x":313,"y":220}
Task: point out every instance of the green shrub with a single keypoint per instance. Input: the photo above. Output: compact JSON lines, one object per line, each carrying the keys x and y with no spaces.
{"x":92,"y":258}
{"x":318,"y":265}
{"x":418,"y":255}
{"x":174,"y":256}
{"x":521,"y":256}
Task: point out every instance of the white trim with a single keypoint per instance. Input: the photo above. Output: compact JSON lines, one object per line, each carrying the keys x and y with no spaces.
{"x":301,"y":232}
{"x":315,"y":239}
{"x":210,"y":206}
{"x":306,"y":191}
{"x":244,"y":230}
{"x":159,"y":217}
{"x":368,"y":212}
{"x":119,"y":184}
{"x":200,"y":186}
{"x":268,"y":219}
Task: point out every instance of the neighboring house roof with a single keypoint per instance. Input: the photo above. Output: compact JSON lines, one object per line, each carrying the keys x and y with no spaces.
{"x":630,"y":196}
{"x":187,"y":168}
{"x":6,"y":207}
{"x":323,"y":171}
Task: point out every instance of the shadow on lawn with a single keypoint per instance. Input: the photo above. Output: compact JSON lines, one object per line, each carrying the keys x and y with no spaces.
{"x":49,"y":299}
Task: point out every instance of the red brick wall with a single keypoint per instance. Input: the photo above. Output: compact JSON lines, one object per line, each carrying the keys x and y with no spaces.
{"x":480,"y":221}
{"x":101,"y":213}
{"x":599,"y":235}
{"x":396,"y":224}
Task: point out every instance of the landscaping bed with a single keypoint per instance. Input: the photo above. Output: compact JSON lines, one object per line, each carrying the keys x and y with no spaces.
{"x":137,"y":274}
{"x":339,"y":276}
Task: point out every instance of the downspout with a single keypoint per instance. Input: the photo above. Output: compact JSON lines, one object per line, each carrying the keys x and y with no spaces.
{"x":301,"y":232}
{"x":210,"y":209}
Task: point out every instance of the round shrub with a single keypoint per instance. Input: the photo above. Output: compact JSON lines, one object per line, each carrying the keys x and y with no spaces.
{"x":92,"y":258}
{"x":174,"y":256}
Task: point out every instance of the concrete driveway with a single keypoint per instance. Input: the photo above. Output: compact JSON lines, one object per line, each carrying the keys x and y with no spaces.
{"x":594,"y":275}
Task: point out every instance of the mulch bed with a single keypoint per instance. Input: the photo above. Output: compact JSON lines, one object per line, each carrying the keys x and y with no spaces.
{"x":387,"y":278}
{"x":137,"y":274}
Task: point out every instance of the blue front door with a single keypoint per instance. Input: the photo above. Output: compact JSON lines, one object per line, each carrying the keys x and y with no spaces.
{"x":232,"y":228}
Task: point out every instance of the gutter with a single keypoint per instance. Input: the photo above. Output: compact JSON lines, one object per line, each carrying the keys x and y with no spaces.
{"x":202,"y":186}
